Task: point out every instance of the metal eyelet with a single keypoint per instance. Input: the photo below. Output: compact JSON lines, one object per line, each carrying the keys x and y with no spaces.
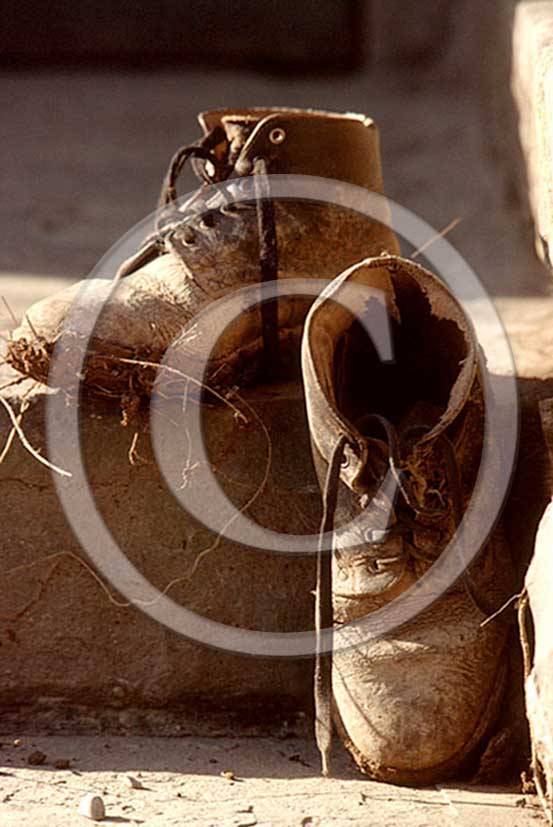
{"x":277,"y":135}
{"x":188,"y":236}
{"x":207,"y":221}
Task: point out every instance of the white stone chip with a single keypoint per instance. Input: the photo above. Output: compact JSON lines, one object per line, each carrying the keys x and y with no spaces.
{"x":92,"y":806}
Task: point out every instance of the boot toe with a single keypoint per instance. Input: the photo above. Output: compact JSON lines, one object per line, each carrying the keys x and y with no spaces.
{"x":414,"y":706}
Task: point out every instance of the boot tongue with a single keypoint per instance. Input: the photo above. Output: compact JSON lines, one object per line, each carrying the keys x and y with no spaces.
{"x":238,"y":126}
{"x":238,"y":129}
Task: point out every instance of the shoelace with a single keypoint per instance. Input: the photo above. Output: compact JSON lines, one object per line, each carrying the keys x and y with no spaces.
{"x":171,"y":215}
{"x":202,"y":149}
{"x":323,"y":602}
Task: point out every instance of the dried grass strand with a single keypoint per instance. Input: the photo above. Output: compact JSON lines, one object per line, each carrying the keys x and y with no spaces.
{"x":58,"y":555}
{"x":254,"y":496}
{"x":503,"y":608}
{"x":11,"y":314}
{"x":13,"y":382}
{"x":169,"y":369}
{"x":27,"y":445}
{"x":447,"y":229}
{"x":12,"y":434}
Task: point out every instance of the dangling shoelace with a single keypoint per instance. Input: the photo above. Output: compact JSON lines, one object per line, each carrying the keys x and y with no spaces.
{"x":323,"y":603}
{"x":172,"y":215}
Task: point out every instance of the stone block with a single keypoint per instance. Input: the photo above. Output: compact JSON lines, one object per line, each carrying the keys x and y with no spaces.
{"x":532,"y":82}
{"x":70,"y":649}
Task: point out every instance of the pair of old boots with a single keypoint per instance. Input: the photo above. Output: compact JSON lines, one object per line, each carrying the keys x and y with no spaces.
{"x":393,"y":390}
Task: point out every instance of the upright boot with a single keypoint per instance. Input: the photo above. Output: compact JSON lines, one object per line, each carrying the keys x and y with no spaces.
{"x":210,"y":247}
{"x":398,"y":444}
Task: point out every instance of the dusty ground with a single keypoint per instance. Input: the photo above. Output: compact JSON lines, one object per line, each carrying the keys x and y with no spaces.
{"x":272,"y":782}
{"x":83,"y":157}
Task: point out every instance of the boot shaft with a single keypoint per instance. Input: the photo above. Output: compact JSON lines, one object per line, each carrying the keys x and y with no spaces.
{"x":343,"y":147}
{"x":409,"y":422}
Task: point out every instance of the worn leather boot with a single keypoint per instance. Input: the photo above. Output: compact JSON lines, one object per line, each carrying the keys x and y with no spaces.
{"x":397,"y":447}
{"x":211,"y":246}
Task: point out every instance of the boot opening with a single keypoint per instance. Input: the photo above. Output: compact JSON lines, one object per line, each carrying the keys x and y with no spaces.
{"x":416,"y":386}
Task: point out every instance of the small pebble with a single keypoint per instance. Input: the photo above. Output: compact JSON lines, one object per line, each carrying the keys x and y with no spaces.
{"x":133,"y":782}
{"x":17,"y":742}
{"x":230,"y":776}
{"x":62,"y":764}
{"x":92,"y":807}
{"x":36,"y":758}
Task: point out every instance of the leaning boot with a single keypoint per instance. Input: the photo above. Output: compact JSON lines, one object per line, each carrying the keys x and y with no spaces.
{"x":211,"y":246}
{"x":397,"y":446}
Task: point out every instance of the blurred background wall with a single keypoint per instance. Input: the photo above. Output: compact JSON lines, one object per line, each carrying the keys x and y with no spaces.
{"x":284,"y":35}
{"x":271,"y":35}
{"x":96,"y":97}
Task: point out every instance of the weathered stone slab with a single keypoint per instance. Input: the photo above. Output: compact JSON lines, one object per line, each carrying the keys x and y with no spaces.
{"x":68,"y":642}
{"x":529,"y":326}
{"x":539,"y":682}
{"x":537,"y":637}
{"x":532,"y":82}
